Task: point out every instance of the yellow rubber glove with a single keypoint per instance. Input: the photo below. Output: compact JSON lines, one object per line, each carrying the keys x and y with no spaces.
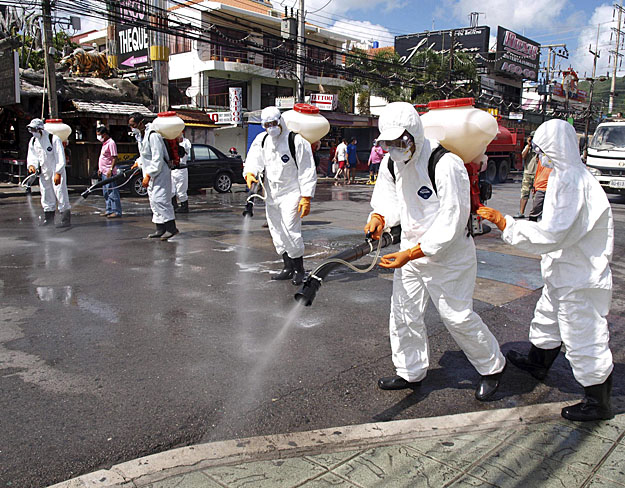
{"x":250,"y":179}
{"x":57,"y":179}
{"x":146,"y":181}
{"x":492,"y":215}
{"x":304,"y":206}
{"x":398,"y":259}
{"x":375,"y":226}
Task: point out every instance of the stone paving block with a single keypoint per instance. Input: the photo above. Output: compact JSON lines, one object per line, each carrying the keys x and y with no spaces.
{"x":613,"y":468}
{"x":459,"y":451}
{"x":329,"y":480}
{"x":599,"y":482}
{"x":189,"y":480}
{"x":513,"y":466}
{"x":279,"y":473}
{"x":564,"y":443}
{"x":333,"y":459}
{"x":469,"y":481}
{"x":396,"y":467}
{"x":610,"y":429}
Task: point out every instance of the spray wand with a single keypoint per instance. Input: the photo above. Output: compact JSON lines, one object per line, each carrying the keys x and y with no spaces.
{"x":306,"y":294}
{"x":29,"y":181}
{"x":255,"y":190}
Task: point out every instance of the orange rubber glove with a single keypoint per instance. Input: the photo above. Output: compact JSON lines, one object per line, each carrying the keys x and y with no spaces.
{"x":57,"y":179}
{"x":250,"y":179}
{"x":31,"y":169}
{"x":398,"y":259}
{"x":492,"y":215}
{"x":146,"y":181}
{"x":375,"y":226}
{"x":136,"y":165}
{"x":304,"y":206}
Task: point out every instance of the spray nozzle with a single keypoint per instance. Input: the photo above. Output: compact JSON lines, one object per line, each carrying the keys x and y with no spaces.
{"x":306,"y":294}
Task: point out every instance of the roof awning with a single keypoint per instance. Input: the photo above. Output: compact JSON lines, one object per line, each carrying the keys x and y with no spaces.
{"x":110,"y":108}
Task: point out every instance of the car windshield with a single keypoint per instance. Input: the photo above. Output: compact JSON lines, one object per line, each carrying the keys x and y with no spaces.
{"x":608,"y":137}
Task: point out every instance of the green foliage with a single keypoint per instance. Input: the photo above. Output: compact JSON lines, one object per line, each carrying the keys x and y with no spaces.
{"x":601,"y":94}
{"x":426,"y":78}
{"x":31,"y":54}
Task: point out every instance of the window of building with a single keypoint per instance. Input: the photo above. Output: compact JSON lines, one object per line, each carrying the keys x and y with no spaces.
{"x":269,"y":93}
{"x":219,"y":93}
{"x":179,"y":44}
{"x":228,"y":45}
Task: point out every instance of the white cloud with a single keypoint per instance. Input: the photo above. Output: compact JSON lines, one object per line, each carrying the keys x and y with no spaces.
{"x":516,"y":16}
{"x":365,"y":31}
{"x":583,"y":60}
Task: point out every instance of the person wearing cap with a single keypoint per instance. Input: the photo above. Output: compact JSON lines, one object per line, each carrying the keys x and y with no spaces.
{"x":106,"y":169}
{"x":529,"y":171}
{"x":180,"y":178}
{"x":47,"y":155}
{"x":437,"y":255}
{"x":290,"y":181}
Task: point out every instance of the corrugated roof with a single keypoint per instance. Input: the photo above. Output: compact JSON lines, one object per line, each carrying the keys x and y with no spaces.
{"x":111,"y":108}
{"x":195,"y":117}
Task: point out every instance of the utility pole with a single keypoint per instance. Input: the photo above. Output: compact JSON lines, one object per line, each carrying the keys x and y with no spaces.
{"x":53,"y":104}
{"x":301,"y":54}
{"x":596,"y":54}
{"x":617,"y":56}
{"x":562,"y":53}
{"x":159,"y":55}
{"x":451,"y":55}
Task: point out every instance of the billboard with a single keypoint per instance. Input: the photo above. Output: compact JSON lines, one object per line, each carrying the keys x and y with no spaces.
{"x":9,"y":78}
{"x":132,"y":37}
{"x":467,"y":39}
{"x":517,"y":56}
{"x":236,"y":95}
{"x":324,"y":101}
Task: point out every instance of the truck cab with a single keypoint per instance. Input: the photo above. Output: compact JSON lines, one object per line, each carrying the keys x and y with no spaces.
{"x":606,"y":156}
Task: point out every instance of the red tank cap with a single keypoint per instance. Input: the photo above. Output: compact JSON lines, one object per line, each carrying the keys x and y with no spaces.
{"x":452,"y":103}
{"x":167,"y":114}
{"x":54,"y":121}
{"x":305,"y":108}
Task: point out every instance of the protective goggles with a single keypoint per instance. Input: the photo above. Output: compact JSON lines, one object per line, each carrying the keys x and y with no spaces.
{"x":32,"y":130}
{"x":271,"y":123}
{"x":537,"y":150}
{"x":404,"y":142}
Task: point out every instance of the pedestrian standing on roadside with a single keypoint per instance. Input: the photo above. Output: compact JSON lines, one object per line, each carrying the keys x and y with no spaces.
{"x":106,"y":169}
{"x":377,"y":153}
{"x":352,"y":161}
{"x":540,"y":188}
{"x":341,"y":159}
{"x":180,"y":178}
{"x":332,"y":160}
{"x":529,"y":171}
{"x":47,"y":155}
{"x":156,"y":176}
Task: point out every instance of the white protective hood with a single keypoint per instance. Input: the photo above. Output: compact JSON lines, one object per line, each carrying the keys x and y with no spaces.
{"x":576,"y":233}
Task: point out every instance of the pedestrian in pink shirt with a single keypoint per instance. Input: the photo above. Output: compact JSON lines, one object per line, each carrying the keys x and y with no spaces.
{"x":377,"y":153}
{"x":106,"y":169}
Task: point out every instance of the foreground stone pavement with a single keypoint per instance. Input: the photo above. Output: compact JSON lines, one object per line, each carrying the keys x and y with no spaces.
{"x":525,"y":446}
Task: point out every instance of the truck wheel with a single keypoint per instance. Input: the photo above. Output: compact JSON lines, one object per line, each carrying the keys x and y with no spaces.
{"x":503,"y":170}
{"x":491,"y":171}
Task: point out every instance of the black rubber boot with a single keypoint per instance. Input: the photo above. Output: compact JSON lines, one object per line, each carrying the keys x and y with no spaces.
{"x":160,"y":230}
{"x":595,"y":405}
{"x":298,"y":271}
{"x":170,"y":230}
{"x":174,"y":203}
{"x":184,"y":207}
{"x":537,"y":362}
{"x":48,"y":218}
{"x":65,"y":219}
{"x":488,"y":385}
{"x":396,"y":383}
{"x":287,"y":271}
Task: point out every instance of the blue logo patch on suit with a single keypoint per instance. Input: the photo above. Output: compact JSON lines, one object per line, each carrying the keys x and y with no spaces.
{"x":424,"y":192}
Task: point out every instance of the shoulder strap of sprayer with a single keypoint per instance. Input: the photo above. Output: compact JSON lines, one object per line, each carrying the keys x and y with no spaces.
{"x":435,"y":157}
{"x":291,"y":146}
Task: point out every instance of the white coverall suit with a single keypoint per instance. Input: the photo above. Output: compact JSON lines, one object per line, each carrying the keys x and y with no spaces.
{"x":576,"y":239}
{"x":180,"y":177}
{"x":153,"y":163}
{"x":51,"y":159}
{"x":286,"y":181}
{"x":438,"y":222}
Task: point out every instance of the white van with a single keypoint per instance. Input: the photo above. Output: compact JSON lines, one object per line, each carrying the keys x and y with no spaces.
{"x":606,"y":156}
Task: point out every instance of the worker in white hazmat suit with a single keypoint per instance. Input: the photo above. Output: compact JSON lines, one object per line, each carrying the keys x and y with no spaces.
{"x":575,"y":238}
{"x":156,"y":176}
{"x":290,"y":180}
{"x":180,"y":179}
{"x":437,"y":254}
{"x":46,"y":154}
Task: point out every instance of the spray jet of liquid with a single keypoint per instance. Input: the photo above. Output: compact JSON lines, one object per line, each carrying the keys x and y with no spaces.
{"x":255,"y":190}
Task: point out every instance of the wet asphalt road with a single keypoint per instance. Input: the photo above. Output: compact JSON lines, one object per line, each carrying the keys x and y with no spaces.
{"x":114,"y":347}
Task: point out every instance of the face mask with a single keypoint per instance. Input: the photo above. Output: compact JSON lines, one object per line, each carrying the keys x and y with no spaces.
{"x":545,"y":161}
{"x":136,"y":132}
{"x":274,"y":131}
{"x":400,"y":155}
{"x":100,"y":138}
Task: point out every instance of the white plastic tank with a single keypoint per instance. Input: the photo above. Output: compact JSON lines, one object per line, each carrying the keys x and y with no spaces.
{"x":168,"y":124}
{"x":58,"y":128}
{"x":460,"y":127}
{"x":306,"y":121}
